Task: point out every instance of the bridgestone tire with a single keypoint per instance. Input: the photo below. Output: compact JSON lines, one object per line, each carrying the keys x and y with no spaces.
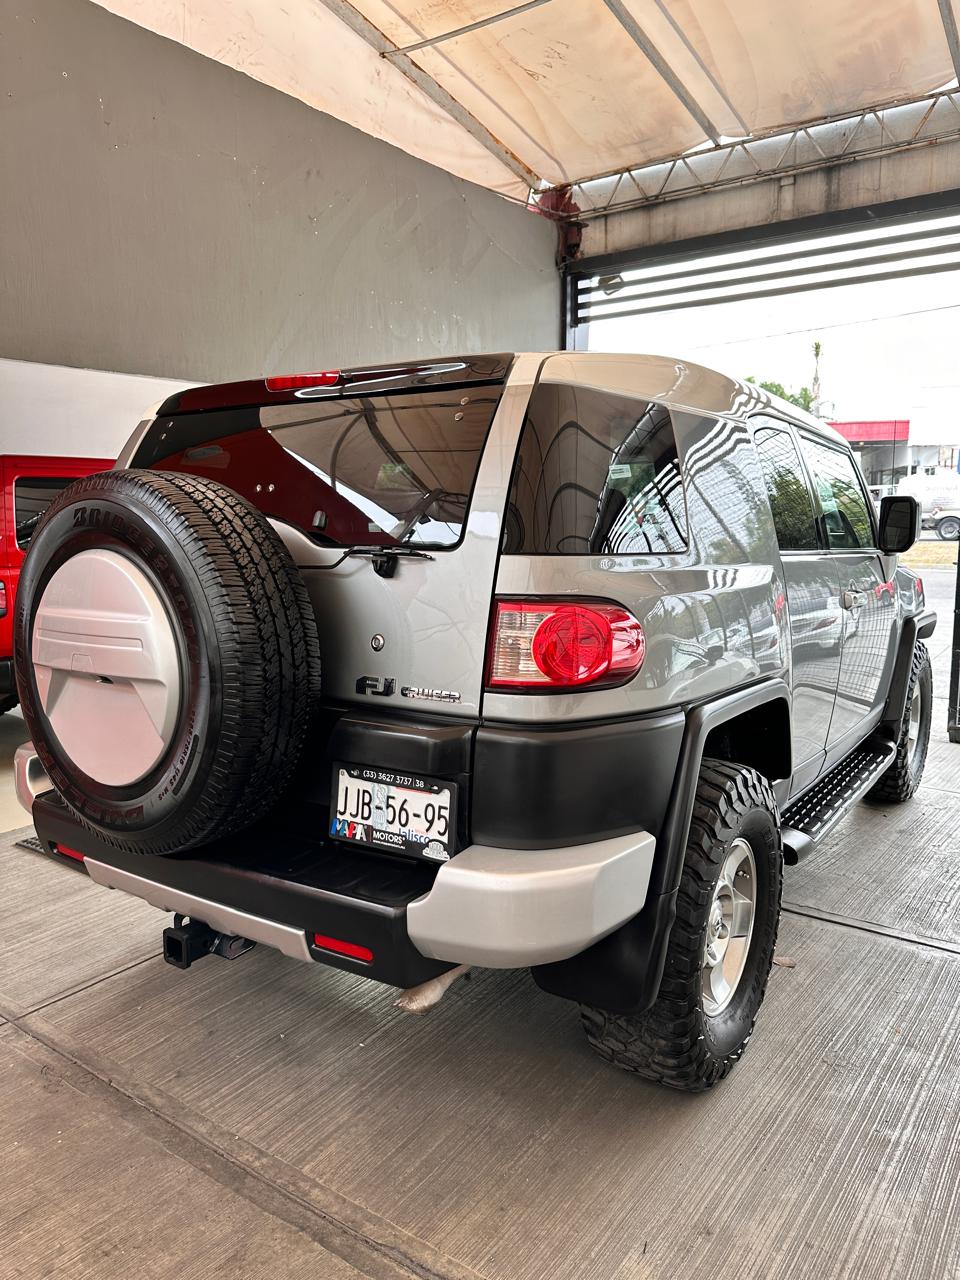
{"x":675,"y":1042}
{"x":902,"y":778}
{"x":244,"y":645}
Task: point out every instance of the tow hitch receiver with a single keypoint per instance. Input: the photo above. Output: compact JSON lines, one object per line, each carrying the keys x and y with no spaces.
{"x":190,"y":940}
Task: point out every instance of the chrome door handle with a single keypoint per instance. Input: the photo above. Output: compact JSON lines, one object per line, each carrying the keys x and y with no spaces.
{"x":853,"y":599}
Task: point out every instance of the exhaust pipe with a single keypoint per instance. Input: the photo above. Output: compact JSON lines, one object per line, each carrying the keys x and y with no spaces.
{"x":191,"y":940}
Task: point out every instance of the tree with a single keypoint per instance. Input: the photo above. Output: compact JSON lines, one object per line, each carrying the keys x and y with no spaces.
{"x":803,"y":399}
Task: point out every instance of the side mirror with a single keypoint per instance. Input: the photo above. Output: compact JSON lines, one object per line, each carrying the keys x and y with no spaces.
{"x":899,"y":523}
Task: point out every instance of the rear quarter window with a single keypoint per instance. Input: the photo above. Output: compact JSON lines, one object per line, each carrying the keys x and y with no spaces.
{"x":596,"y":473}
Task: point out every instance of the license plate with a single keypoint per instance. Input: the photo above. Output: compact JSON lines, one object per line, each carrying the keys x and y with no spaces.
{"x":394,"y":812}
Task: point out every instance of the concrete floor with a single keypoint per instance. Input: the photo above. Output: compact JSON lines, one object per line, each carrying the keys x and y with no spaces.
{"x":267,"y":1119}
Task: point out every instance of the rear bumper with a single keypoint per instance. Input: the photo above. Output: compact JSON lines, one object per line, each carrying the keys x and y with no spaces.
{"x":491,"y":907}
{"x":480,"y":910}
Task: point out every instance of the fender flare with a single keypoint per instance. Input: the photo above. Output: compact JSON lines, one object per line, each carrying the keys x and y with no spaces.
{"x":701,"y":720}
{"x":918,"y":626}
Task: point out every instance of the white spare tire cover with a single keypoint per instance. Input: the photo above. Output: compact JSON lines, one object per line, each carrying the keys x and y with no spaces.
{"x":107,"y":668}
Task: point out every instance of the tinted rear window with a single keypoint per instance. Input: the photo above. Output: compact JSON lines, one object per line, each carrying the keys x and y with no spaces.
{"x":597,"y":473}
{"x":368,"y":470}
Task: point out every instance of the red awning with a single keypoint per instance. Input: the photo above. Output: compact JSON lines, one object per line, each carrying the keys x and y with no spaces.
{"x":893,"y":431}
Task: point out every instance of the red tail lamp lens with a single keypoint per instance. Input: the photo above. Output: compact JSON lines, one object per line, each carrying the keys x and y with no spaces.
{"x":353,"y":950}
{"x":297,"y":381}
{"x":563,"y":644}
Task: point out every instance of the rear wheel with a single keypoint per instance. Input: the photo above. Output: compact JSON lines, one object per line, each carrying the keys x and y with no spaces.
{"x":949,"y":528}
{"x":902,"y":778}
{"x":721,"y":944}
{"x":166,"y":656}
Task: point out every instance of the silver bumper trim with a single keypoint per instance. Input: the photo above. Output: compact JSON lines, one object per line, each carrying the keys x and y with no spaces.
{"x":29,"y":775}
{"x":509,"y":908}
{"x":292,"y":942}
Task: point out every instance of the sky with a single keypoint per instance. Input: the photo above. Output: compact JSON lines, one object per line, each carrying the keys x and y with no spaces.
{"x":889,"y":349}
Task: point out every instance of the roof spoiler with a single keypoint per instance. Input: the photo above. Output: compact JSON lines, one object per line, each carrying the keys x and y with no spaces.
{"x":454,"y":371}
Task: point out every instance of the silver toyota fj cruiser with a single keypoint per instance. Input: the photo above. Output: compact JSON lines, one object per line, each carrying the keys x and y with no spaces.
{"x":545,"y":661}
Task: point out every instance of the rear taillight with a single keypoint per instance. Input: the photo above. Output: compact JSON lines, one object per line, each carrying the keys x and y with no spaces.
{"x":3,"y":599}
{"x":562,"y":644}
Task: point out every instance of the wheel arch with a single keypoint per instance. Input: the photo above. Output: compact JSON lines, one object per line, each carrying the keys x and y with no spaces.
{"x":623,"y":971}
{"x":730,"y":722}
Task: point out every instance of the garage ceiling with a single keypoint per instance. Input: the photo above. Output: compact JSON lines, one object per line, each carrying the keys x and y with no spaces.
{"x":552,"y":92}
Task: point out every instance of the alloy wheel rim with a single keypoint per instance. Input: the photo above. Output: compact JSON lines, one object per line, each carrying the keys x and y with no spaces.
{"x":729,"y":928}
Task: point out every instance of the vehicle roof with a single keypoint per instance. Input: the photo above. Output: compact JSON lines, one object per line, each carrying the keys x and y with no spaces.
{"x":682,"y":384}
{"x":679,"y":384}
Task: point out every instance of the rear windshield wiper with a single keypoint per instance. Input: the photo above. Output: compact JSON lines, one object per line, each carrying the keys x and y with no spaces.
{"x":383,"y":559}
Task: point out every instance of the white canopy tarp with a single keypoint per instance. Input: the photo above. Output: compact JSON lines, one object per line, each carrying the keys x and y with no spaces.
{"x":557,"y":91}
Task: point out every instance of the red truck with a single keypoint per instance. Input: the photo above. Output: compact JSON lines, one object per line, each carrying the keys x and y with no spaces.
{"x":27,"y":486}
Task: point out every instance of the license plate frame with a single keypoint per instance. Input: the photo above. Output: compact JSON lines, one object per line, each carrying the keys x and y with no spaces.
{"x":411,"y":841}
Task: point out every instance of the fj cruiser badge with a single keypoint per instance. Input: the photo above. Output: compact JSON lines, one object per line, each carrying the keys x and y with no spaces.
{"x":386,"y":687}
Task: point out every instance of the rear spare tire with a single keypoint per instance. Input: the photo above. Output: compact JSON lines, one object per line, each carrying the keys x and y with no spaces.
{"x":167,"y":658}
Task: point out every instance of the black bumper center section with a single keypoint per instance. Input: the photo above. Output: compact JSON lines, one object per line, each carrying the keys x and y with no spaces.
{"x":348,"y":895}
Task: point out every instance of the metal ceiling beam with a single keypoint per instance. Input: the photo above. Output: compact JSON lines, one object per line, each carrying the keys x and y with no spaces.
{"x":853,"y":136}
{"x":357,"y":23}
{"x":691,"y":49}
{"x":462,"y":31}
{"x":949,"y":20}
{"x":666,"y":73}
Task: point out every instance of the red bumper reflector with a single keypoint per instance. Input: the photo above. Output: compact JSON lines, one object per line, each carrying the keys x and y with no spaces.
{"x":341,"y":948}
{"x":70,"y":853}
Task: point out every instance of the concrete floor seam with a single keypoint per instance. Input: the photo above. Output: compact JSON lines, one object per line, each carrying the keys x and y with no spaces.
{"x":869,"y":926}
{"x":85,"y":986}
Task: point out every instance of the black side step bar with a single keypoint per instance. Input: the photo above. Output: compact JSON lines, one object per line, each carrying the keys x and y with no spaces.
{"x":808,"y":819}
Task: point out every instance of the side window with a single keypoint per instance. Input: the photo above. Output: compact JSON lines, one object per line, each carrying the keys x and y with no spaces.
{"x":31,"y":496}
{"x":790,"y":501}
{"x":597,"y":472}
{"x":842,"y":499}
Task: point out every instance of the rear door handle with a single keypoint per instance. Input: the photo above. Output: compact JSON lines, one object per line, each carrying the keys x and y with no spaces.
{"x":853,"y":599}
